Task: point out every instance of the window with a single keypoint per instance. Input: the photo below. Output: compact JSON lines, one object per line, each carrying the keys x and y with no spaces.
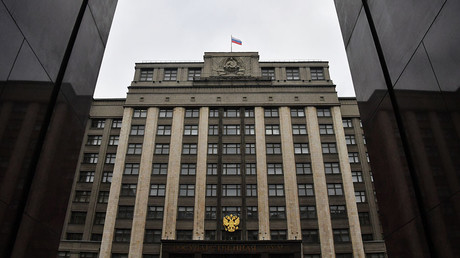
{"x":82,"y":196}
{"x":367,"y":157}
{"x":252,"y":212}
{"x":372,"y":176}
{"x":213,"y":130}
{"x":310,"y":236}
{"x":160,"y":169}
{"x":211,"y":190}
{"x":231,"y":148}
{"x":188,"y":169}
{"x":231,"y":113}
{"x":157,"y":190}
{"x":214,"y":113}
{"x":88,"y":255}
{"x":253,"y":235}
{"x":210,"y":212}
{"x":297,"y":112}
{"x":341,"y":235}
{"x":367,"y":237}
{"x":350,"y":139}
{"x":170,"y":74}
{"x":212,"y":148}
{"x":114,"y":255}
{"x":331,"y":168}
{"x":134,"y":148}
{"x":326,"y":129}
{"x":152,"y":236}
{"x":299,"y":129}
{"x":125,"y":212}
{"x":301,"y":148}
{"x":231,"y":130}
{"x":90,"y":158}
{"x":164,"y":130}
{"x":155,"y":212}
{"x":307,"y":212}
{"x":99,"y":218}
{"x":364,"y":218}
{"x":251,"y":190}
{"x":98,"y":123}
{"x":194,"y":74}
{"x":162,"y":149}
{"x":317,"y":73}
{"x":275,"y":168}
{"x":276,"y":190}
{"x":249,"y":130}
{"x":353,"y":157}
{"x":231,"y":190}
{"x":346,"y":122}
{"x":74,"y":236}
{"x":338,"y":211}
{"x":249,"y":112}
{"x":329,"y":148}
{"x":227,"y":210}
{"x":96,"y":237}
{"x":122,"y":235}
{"x":268,"y":72}
{"x":165,"y":113}
{"x":189,"y":149}
{"x":137,"y":130}
{"x":272,"y":130}
{"x":186,"y":190}
{"x":63,"y":254}
{"x":323,"y":112}
{"x":128,"y":190}
{"x":364,"y":139}
{"x":110,"y":158}
{"x":113,"y":140}
{"x":360,"y":196}
{"x":273,"y":148}
{"x":146,"y":75}
{"x":103,"y":197}
{"x":271,"y":112}
{"x":277,"y":212}
{"x":251,"y":169}
{"x":278,"y":234}
{"x":86,"y":177}
{"x":140,"y":113}
{"x":303,"y":168}
{"x":250,"y":148}
{"x":231,"y":169}
{"x":116,"y":123}
{"x":192,"y":113}
{"x":77,"y":217}
{"x":212,"y":169}
{"x":292,"y":74}
{"x":306,"y":190}
{"x":334,"y":189}
{"x":184,"y":212}
{"x":131,"y":169}
{"x":357,"y":176}
{"x":94,"y":140}
{"x":191,"y":130}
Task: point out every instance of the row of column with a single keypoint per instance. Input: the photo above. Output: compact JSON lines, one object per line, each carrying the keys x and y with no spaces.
{"x":290,"y":182}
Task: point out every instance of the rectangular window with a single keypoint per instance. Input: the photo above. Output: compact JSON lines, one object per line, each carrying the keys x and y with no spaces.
{"x":213,"y":130}
{"x":350,"y":139}
{"x":299,"y":129}
{"x":227,"y":210}
{"x":74,"y":236}
{"x":231,"y":148}
{"x":160,"y":169}
{"x":187,"y":190}
{"x":277,"y":212}
{"x":194,"y":74}
{"x":192,"y":113}
{"x":155,"y":212}
{"x":268,"y":73}
{"x":137,"y":130}
{"x":152,"y":236}
{"x":307,"y":212}
{"x":213,"y":148}
{"x":323,"y":112}
{"x":360,"y":196}
{"x":94,"y":140}
{"x":292,"y":74}
{"x":231,"y":130}
{"x":184,"y":212}
{"x":231,"y":169}
{"x":251,"y":169}
{"x":250,"y":148}
{"x":334,"y":189}
{"x":231,"y":190}
{"x":357,"y":176}
{"x":82,"y":196}
{"x":113,"y":140}
{"x":297,"y":112}
{"x":122,"y":235}
{"x":325,"y":129}
{"x":249,"y":130}
{"x":86,"y":177}
{"x":347,"y":123}
{"x":271,"y":112}
{"x":103,"y":197}
{"x":146,"y":75}
{"x":140,"y":113}
{"x":107,"y":177}
{"x":317,"y":73}
{"x":274,"y":168}
{"x":162,"y":149}
{"x":134,"y":149}
{"x":303,"y":168}
{"x":231,"y":113}
{"x":212,"y":169}
{"x":97,"y":123}
{"x":301,"y":148}
{"x":278,"y":234}
{"x":90,"y":158}
{"x":189,"y":149}
{"x":99,"y":218}
{"x":170,"y":74}
{"x":128,"y":190}
{"x":211,"y":190}
{"x":306,"y":190}
{"x":341,"y":236}
{"x":157,"y":190}
{"x":364,"y":139}
{"x":272,"y":130}
{"x":275,"y":190}
{"x":338,"y":211}
{"x":164,"y":130}
{"x":273,"y":148}
{"x":329,"y":148}
{"x":249,"y":112}
{"x":210,"y":212}
{"x":310,"y":236}
{"x":331,"y":168}
{"x":110,"y":158}
{"x":188,"y":169}
{"x":77,"y":217}
{"x":364,"y":218}
{"x":165,"y":113}
{"x":252,"y":213}
{"x":213,"y":112}
{"x":131,"y":169}
{"x":125,"y":212}
{"x":353,"y":157}
{"x":116,"y":123}
{"x":191,"y":130}
{"x":251,"y":190}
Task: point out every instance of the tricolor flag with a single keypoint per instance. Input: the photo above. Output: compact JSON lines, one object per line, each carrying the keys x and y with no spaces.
{"x":237,"y":41}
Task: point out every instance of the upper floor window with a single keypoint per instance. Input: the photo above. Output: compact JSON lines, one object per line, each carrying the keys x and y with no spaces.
{"x":306,"y":190}
{"x":275,"y":190}
{"x":94,"y":140}
{"x":347,"y":123}
{"x":326,"y":129}
{"x":292,"y":74}
{"x":251,"y":169}
{"x":271,"y":112}
{"x":189,"y":149}
{"x":249,"y":130}
{"x":146,"y":75}
{"x":128,"y":190}
{"x":231,"y":148}
{"x":331,"y":168}
{"x":191,"y":130}
{"x":98,"y":123}
{"x":231,"y":113}
{"x":268,"y":72}
{"x":323,"y":112}
{"x":341,"y":235}
{"x":90,"y":158}
{"x":307,"y":212}
{"x":329,"y":148}
{"x":213,"y":112}
{"x":192,"y":113}
{"x":162,"y":149}
{"x":334,"y":189}
{"x":107,"y":177}
{"x":213,"y":130}
{"x":170,"y":74}
{"x":116,"y":123}
{"x":134,"y":148}
{"x":140,"y":113}
{"x":350,"y":139}
{"x":303,"y":168}
{"x":249,"y":112}
{"x":184,"y":212}
{"x":86,"y":177}
{"x":194,"y":74}
{"x":353,"y":157}
{"x":164,"y":130}
{"x":301,"y":148}
{"x":272,"y":130}
{"x":165,"y":113}
{"x":113,"y":140}
{"x":275,"y":168}
{"x":317,"y":73}
{"x":297,"y":112}
{"x":299,"y":129}
{"x":273,"y":148}
{"x":231,"y":129}
{"x":137,"y":129}
{"x":160,"y":169}
{"x":231,"y":190}
{"x":157,"y":190}
{"x":188,"y":169}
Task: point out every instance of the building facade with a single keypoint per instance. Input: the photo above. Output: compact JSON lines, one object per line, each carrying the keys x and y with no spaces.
{"x":230,"y":157}
{"x":404,"y":60}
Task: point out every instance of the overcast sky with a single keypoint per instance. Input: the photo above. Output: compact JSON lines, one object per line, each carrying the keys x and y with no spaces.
{"x":182,"y":30}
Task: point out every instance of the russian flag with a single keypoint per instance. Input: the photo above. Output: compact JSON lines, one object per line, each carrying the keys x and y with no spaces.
{"x":237,"y":41}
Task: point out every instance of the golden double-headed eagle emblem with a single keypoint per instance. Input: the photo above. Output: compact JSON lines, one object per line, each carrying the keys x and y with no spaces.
{"x":231,"y":223}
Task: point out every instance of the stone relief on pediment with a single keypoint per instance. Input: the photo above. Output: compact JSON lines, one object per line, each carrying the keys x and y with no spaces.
{"x":231,"y":66}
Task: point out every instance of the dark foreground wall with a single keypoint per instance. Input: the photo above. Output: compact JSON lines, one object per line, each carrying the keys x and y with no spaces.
{"x":50,"y":54}
{"x":405,"y":58}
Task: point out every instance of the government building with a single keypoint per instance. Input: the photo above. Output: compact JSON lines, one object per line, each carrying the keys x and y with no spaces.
{"x":229,"y":157}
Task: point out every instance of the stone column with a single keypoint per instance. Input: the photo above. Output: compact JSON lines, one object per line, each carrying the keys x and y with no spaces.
{"x":143,"y":184}
{"x":348,"y":188}
{"x":319,"y":180}
{"x":262,"y":185}
{"x":172,"y":184}
{"x":201,"y":167}
{"x":290,"y":178}
{"x":115,"y":187}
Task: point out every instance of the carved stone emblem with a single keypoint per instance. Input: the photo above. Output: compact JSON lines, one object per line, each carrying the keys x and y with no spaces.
{"x":231,"y":66}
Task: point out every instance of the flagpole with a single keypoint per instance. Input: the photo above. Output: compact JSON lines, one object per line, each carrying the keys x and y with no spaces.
{"x":231,"y":44}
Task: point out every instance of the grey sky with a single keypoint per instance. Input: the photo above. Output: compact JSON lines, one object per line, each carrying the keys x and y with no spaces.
{"x":182,"y":30}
